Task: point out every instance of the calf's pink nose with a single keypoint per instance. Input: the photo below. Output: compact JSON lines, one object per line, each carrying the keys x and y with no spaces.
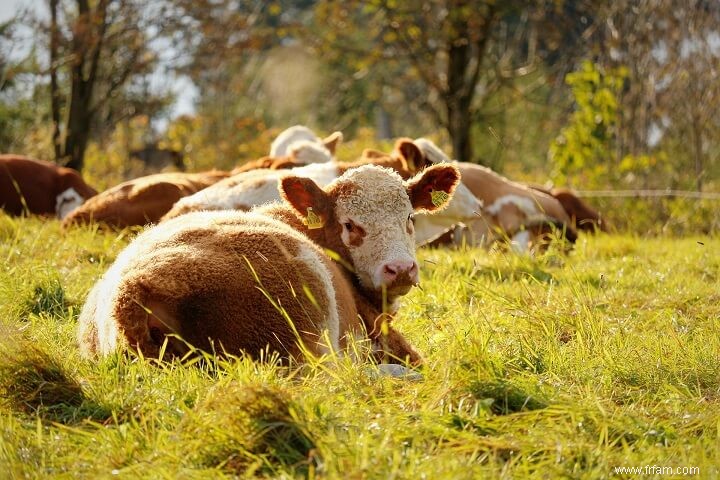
{"x":394,"y":271}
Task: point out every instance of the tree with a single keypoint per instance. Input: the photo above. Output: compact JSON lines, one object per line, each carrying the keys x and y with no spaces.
{"x":449,"y":57}
{"x":671,"y":49}
{"x":96,"y":50}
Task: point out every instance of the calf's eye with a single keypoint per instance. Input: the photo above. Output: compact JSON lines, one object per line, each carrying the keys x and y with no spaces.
{"x":348,"y":226}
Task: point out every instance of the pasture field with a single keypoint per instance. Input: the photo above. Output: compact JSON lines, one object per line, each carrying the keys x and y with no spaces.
{"x":558,"y":366}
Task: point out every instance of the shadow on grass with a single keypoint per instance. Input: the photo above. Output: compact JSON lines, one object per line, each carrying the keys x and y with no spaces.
{"x":49,"y":298}
{"x":33,"y":382}
{"x":248,"y":429}
{"x":505,"y":398}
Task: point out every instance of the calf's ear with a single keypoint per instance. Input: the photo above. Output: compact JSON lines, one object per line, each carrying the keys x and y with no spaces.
{"x":332,"y":141}
{"x":308,"y":200}
{"x":432,"y":189}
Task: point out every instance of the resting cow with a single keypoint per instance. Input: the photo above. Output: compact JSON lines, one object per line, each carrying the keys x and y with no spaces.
{"x":510,"y":211}
{"x":142,"y":200}
{"x":40,"y":187}
{"x":234,"y":282}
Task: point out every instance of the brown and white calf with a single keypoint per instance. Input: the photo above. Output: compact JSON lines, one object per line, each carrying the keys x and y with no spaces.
{"x":142,"y":200}
{"x":40,"y":187}
{"x":510,"y":211}
{"x":234,"y":282}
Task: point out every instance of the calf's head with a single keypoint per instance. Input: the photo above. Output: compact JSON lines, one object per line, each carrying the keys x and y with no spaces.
{"x":366,"y":217}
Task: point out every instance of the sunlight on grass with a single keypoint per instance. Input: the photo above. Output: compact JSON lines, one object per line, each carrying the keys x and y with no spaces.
{"x":552,"y":366}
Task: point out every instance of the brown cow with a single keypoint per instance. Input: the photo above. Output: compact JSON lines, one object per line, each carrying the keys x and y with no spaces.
{"x":40,"y":187}
{"x":235,"y":282}
{"x":142,"y":200}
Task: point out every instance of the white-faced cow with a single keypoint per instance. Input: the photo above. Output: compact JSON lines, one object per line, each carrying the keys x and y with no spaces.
{"x":40,"y":187}
{"x":234,"y":282}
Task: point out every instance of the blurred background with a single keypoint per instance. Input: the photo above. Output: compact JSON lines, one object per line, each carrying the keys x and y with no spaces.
{"x":605,"y":96}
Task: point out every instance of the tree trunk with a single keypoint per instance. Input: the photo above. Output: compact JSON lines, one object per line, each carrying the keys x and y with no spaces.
{"x":88,"y":38}
{"x":465,"y":51}
{"x":54,"y":89}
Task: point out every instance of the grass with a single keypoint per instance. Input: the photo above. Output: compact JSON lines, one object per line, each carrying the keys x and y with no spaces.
{"x":548,"y":367}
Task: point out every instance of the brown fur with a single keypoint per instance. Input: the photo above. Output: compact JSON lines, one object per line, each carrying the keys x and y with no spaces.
{"x":270,"y":163}
{"x":142,"y":200}
{"x":39,"y":183}
{"x":406,"y":159}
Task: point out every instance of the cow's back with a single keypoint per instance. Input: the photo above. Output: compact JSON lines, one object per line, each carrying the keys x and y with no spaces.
{"x":27,"y":182}
{"x":496,"y":191}
{"x":225,"y":281}
{"x":142,"y":200}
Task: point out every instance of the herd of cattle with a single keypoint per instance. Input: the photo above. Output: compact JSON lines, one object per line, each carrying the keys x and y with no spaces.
{"x":295,"y":253}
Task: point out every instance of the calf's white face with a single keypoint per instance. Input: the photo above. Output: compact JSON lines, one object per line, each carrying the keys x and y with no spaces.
{"x":366,"y":216}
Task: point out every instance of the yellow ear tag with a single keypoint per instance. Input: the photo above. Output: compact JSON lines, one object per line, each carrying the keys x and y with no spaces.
{"x":438,"y":197}
{"x":313,"y":220}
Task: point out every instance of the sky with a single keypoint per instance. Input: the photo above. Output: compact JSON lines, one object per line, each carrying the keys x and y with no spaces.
{"x":184,"y":89}
{"x":8,"y":8}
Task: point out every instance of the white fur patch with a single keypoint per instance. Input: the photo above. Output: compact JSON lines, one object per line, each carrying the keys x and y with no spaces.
{"x":307,"y":152}
{"x":525,"y":204}
{"x":520,"y":242}
{"x":281,"y":145}
{"x":67,"y":201}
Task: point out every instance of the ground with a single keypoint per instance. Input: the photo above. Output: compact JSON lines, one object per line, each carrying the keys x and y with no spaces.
{"x":554,"y":366}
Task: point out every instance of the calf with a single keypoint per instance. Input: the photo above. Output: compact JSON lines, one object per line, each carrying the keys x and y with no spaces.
{"x":40,"y":187}
{"x":511,"y":210}
{"x":142,"y":200}
{"x":233,"y":282}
